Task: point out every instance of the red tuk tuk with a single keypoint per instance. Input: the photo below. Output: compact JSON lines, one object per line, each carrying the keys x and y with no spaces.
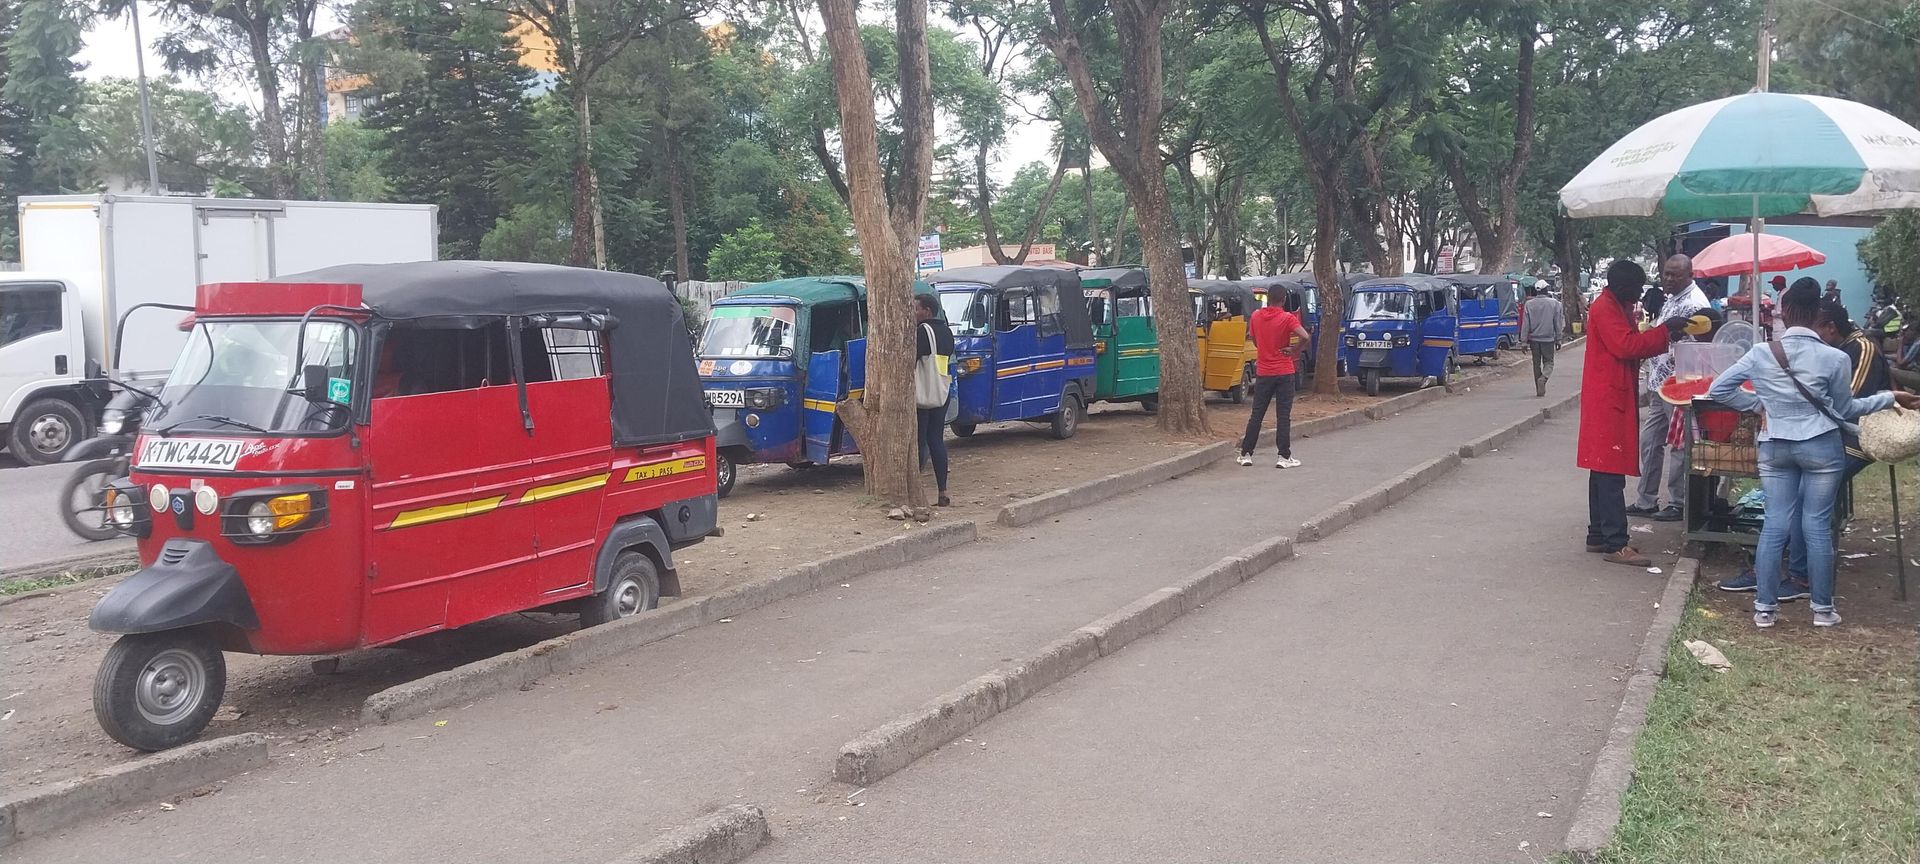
{"x":357,"y":455}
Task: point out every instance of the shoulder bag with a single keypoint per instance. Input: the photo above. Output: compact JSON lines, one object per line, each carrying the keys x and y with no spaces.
{"x":930,"y":378}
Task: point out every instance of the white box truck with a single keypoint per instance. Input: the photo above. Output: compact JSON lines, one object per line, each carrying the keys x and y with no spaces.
{"x":88,"y":260}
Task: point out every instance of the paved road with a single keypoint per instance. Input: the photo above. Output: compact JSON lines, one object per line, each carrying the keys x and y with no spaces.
{"x":33,"y":531}
{"x":1421,"y":687}
{"x":585,"y":766}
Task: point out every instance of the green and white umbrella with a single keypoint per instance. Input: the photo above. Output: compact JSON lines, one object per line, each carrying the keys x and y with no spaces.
{"x":1755,"y":155}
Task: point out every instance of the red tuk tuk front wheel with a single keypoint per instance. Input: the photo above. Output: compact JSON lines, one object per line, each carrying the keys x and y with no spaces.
{"x":633,"y":588}
{"x":159,"y":690}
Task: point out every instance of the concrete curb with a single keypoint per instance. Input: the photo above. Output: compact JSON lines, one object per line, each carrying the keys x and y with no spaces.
{"x":897,"y":743}
{"x":1598,"y":813}
{"x":724,"y":836}
{"x":104,"y":561}
{"x":1027,"y":511}
{"x":1329,"y":521}
{"x":41,"y":811}
{"x":581,"y":648}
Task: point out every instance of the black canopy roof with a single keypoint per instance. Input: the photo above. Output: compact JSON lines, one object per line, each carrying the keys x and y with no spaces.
{"x":1414,"y":281}
{"x":1236,"y":295}
{"x":1126,"y":280}
{"x":1065,"y":283}
{"x":656,"y":389}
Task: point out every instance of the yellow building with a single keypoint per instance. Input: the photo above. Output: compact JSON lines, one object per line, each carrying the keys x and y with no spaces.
{"x":350,"y":93}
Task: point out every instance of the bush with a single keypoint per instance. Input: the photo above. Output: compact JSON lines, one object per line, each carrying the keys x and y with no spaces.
{"x":1891,"y":254}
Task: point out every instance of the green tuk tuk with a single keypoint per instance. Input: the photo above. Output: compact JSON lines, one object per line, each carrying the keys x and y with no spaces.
{"x":1127,"y":350}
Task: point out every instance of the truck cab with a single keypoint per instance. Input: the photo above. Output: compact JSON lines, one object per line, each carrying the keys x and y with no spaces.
{"x":46,"y":389}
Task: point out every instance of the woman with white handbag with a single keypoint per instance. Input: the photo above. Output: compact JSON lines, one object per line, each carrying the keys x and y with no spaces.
{"x":932,"y":386}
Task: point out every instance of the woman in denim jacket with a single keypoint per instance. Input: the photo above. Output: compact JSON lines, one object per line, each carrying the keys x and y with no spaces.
{"x":1802,"y":456}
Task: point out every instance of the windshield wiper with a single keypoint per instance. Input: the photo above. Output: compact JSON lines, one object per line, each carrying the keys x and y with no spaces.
{"x":217,"y":418}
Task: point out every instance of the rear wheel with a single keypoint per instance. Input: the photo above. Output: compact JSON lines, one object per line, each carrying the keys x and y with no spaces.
{"x":963,"y":430}
{"x":1370,"y":379}
{"x":81,"y":499}
{"x":159,"y":690}
{"x":724,"y":474}
{"x":1066,"y":421}
{"x":1150,"y":404}
{"x":45,"y":430}
{"x":633,"y":588}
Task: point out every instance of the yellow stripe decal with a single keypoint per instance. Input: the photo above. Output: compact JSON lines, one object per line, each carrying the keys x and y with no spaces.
{"x":1139,"y":352}
{"x":1438,"y":343}
{"x":819,"y":405}
{"x":856,"y":392}
{"x":663,"y":469}
{"x":556,"y":490}
{"x":445,"y":512}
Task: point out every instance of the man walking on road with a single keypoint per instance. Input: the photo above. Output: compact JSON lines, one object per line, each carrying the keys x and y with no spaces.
{"x":1545,"y":320}
{"x":1659,"y":462}
{"x":1609,"y":412}
{"x":1274,"y":331}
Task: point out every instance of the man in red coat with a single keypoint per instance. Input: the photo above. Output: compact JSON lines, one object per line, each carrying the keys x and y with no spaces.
{"x":1610,"y":409}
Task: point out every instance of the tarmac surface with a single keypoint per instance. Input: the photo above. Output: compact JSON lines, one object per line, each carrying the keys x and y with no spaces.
{"x":1450,"y":660}
{"x":29,"y":510}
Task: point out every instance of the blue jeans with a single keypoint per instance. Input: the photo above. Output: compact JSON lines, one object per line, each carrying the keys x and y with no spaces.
{"x":1797,"y":545}
{"x":1801,"y":480}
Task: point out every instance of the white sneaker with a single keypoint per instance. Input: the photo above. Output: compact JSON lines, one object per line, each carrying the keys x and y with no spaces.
{"x":1245,"y":459}
{"x":1287,"y":462}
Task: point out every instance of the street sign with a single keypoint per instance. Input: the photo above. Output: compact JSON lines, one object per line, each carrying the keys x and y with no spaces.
{"x":1445,"y":265}
{"x":930,"y":257}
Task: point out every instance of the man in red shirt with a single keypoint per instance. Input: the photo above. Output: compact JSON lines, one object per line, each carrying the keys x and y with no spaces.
{"x":1277,"y":337}
{"x":1609,"y":444}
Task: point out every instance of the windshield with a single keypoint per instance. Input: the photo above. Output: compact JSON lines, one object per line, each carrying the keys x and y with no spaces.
{"x":1383,"y":305}
{"x":749,"y":331}
{"x":970,"y":312}
{"x":235,"y":376}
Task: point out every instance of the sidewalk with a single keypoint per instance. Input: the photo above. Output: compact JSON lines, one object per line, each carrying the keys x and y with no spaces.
{"x":1428,"y":685}
{"x":588,"y":765}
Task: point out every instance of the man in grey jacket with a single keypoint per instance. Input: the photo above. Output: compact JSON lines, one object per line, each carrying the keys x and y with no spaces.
{"x":1545,"y":319}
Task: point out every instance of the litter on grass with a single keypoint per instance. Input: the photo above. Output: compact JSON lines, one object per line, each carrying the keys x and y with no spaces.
{"x":1708,"y":655}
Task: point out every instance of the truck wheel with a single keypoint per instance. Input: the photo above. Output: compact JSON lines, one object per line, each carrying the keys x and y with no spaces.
{"x":45,"y":430}
{"x":81,"y":499}
{"x":1370,"y":379}
{"x":634,"y":588}
{"x":158,"y":690}
{"x":963,"y":430}
{"x":1067,"y":420}
{"x":724,"y":473}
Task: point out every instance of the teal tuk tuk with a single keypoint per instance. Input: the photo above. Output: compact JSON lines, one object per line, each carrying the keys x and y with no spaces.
{"x":1126,"y":347}
{"x":775,"y":360}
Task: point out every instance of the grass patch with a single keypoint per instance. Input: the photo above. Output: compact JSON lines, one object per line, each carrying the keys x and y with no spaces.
{"x":11,"y":587}
{"x":1805,"y":751}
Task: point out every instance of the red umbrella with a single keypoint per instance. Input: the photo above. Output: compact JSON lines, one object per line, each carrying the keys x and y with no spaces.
{"x":1734,"y":256}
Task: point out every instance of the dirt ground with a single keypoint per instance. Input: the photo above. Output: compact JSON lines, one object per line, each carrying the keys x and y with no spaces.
{"x":776,"y":517}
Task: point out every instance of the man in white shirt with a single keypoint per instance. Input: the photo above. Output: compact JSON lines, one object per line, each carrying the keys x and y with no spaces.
{"x":1657,"y":460}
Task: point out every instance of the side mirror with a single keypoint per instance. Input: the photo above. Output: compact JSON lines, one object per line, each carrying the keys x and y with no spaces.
{"x":313,"y":383}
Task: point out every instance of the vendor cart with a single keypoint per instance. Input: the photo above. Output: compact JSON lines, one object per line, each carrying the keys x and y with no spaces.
{"x":1723,"y":450}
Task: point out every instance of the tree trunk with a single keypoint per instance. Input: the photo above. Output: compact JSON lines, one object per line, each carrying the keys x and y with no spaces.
{"x":1182,"y":402}
{"x":1093,"y":218}
{"x":580,"y":253}
{"x":1327,"y":209}
{"x":1393,"y":251}
{"x":1120,"y":231}
{"x":885,"y":424}
{"x":272,"y":118}
{"x":1566,"y":253}
{"x":1361,"y":220}
{"x":677,"y":202}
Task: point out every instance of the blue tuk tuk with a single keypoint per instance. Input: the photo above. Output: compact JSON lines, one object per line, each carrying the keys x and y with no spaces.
{"x":1023,"y":345}
{"x":1489,"y":313}
{"x":1402,"y":327}
{"x":775,"y":359}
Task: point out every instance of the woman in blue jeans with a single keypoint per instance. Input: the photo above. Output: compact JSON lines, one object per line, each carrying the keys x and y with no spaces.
{"x":1802,"y":457}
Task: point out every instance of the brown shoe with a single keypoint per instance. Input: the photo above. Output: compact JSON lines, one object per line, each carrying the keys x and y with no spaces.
{"x":1629,"y":556}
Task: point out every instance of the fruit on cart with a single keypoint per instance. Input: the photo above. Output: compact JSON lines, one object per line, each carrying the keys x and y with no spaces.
{"x":1681,"y":389}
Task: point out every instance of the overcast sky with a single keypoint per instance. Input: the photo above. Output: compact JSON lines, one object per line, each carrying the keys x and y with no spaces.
{"x":108,"y":52}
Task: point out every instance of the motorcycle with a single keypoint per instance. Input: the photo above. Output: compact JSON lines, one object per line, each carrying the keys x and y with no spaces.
{"x":103,"y":459}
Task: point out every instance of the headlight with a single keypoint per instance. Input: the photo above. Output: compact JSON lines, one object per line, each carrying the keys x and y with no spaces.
{"x":260,"y":519}
{"x":764,"y":397}
{"x":119,"y":508}
{"x":1402,"y":340}
{"x":1351,"y":341}
{"x":157,"y":498}
{"x":113,"y":423}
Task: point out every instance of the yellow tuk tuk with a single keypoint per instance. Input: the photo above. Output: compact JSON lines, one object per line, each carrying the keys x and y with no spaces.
{"x":1221,"y":309}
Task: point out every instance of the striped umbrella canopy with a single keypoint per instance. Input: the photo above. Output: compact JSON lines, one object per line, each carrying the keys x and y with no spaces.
{"x":1755,"y":155}
{"x":1735,"y":256}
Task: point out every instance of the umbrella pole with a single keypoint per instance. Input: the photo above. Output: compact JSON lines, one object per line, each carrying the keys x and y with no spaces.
{"x":1754,"y":227}
{"x":1899,"y":550}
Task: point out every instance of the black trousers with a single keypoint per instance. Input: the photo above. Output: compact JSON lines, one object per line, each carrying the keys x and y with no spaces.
{"x":1277,"y":389}
{"x":1607,"y":510}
